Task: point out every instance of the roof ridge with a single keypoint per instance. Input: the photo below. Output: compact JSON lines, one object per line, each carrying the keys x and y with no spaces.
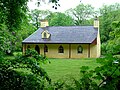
{"x":70,"y":26}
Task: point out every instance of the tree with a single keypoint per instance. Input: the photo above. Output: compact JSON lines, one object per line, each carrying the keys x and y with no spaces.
{"x":59,"y":19}
{"x":6,"y":40}
{"x":23,"y":72}
{"x":26,"y":29}
{"x":81,"y":13}
{"x":12,"y":15}
{"x":37,"y":15}
{"x":108,"y":15}
{"x":11,"y":41}
{"x":13,"y":18}
{"x":13,"y":11}
{"x":108,"y":28}
{"x":113,"y":45}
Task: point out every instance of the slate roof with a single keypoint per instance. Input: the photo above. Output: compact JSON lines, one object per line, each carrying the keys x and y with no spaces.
{"x":64,"y":34}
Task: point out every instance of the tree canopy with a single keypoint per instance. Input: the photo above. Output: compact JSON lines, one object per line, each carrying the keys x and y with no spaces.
{"x":37,"y":15}
{"x":81,"y":14}
{"x":109,"y":28}
{"x":59,"y":19}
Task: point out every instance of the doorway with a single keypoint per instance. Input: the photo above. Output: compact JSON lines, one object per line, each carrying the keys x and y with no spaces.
{"x":37,"y":49}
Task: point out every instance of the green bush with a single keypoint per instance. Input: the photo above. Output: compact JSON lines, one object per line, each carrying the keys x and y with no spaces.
{"x":23,"y":72}
{"x":104,"y":77}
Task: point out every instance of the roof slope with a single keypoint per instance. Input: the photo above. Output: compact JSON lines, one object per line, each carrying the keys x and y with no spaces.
{"x":64,"y":34}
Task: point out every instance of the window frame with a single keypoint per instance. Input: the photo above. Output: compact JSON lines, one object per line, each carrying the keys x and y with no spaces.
{"x":60,"y":49}
{"x":79,"y":49}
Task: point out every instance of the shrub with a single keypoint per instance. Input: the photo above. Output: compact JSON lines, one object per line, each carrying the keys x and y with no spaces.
{"x":23,"y":72}
{"x":104,"y":77}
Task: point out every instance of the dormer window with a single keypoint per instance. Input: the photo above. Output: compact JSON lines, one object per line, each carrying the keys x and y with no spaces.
{"x":45,"y":34}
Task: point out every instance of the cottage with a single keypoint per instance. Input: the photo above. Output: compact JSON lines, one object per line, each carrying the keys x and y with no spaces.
{"x":65,"y":41}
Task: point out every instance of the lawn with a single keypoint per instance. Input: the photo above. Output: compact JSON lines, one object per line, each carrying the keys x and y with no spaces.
{"x":65,"y":69}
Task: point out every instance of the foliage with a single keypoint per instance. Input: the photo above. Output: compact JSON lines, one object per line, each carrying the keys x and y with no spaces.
{"x":59,"y":19}
{"x":37,"y":15}
{"x":106,"y":76}
{"x":26,"y":29}
{"x":81,"y":14}
{"x":109,"y":29}
{"x":11,"y":41}
{"x":103,"y":48}
{"x":108,"y":72}
{"x":13,"y":12}
{"x":109,"y":14}
{"x":113,"y":46}
{"x":6,"y":40}
{"x":13,"y":19}
{"x":23,"y":72}
{"x":56,"y":3}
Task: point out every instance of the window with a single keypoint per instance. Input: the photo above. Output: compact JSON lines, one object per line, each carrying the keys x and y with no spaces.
{"x":45,"y":48}
{"x":45,"y":35}
{"x":60,"y":49}
{"x":80,"y":49}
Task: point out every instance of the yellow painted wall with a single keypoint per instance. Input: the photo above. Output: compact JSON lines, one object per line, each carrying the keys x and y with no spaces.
{"x":98,"y":44}
{"x":53,"y":50}
{"x":32,"y":46}
{"x":75,"y":54}
{"x":93,"y":51}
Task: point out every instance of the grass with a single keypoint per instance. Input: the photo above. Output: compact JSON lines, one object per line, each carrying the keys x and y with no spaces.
{"x":64,"y":69}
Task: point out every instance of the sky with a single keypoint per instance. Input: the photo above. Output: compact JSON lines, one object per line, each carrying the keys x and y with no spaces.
{"x":67,"y":4}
